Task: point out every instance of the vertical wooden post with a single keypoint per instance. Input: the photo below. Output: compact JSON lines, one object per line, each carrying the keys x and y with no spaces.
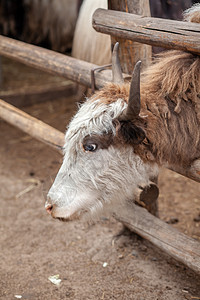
{"x":130,"y":52}
{"x":1,"y":73}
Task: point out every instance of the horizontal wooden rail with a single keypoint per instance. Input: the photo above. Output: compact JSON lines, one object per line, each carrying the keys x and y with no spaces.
{"x":153,"y":31}
{"x":31,"y":125}
{"x":176,"y":244}
{"x":193,"y":172}
{"x":53,"y":62}
{"x":162,"y":235}
{"x":28,"y":95}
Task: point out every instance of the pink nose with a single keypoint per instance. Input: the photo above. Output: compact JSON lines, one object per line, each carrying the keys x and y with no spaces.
{"x":49,"y":208}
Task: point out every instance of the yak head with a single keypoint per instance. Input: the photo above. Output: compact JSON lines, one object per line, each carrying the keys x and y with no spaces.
{"x":102,"y":166}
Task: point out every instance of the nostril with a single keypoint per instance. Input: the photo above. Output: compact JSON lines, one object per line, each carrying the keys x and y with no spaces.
{"x":49,"y":208}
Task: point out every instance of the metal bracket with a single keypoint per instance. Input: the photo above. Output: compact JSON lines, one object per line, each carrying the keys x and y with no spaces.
{"x":93,"y":75}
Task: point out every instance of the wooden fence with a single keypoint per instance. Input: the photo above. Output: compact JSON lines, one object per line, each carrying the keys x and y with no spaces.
{"x":152,"y":31}
{"x":176,"y":244}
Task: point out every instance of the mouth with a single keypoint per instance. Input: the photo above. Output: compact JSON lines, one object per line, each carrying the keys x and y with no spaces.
{"x":63,"y":219}
{"x":65,"y":215}
{"x":73,"y":217}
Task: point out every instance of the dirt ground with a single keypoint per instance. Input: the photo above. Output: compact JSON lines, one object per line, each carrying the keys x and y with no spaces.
{"x":91,"y":260}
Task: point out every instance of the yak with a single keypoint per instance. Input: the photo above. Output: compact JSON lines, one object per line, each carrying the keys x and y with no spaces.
{"x":124,"y":133}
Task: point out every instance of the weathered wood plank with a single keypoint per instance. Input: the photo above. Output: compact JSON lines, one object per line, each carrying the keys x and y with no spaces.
{"x":1,"y":73}
{"x":36,"y":94}
{"x":179,"y":246}
{"x":153,"y":31}
{"x":130,"y":52}
{"x":31,"y":125}
{"x":193,"y":172}
{"x":53,"y":62}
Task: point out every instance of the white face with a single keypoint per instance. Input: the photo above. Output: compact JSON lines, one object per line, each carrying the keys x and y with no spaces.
{"x":96,"y":174}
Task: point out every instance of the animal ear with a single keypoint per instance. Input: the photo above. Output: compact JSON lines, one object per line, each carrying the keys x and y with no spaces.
{"x":133,"y":109}
{"x":129,"y":132}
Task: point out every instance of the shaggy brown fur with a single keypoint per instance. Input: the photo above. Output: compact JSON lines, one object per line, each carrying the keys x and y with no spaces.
{"x":112,"y":92}
{"x":170,"y":92}
{"x":172,"y":138}
{"x":170,"y":114}
{"x":174,"y":75}
{"x":170,"y":108}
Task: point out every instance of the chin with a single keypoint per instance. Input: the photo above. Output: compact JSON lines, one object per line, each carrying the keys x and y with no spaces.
{"x":65,"y":215}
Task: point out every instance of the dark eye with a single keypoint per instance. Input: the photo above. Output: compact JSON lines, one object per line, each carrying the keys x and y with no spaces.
{"x":90,"y":147}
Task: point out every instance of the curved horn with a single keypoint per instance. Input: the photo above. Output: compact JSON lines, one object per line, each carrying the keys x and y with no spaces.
{"x":133,"y":108}
{"x":116,"y":68}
